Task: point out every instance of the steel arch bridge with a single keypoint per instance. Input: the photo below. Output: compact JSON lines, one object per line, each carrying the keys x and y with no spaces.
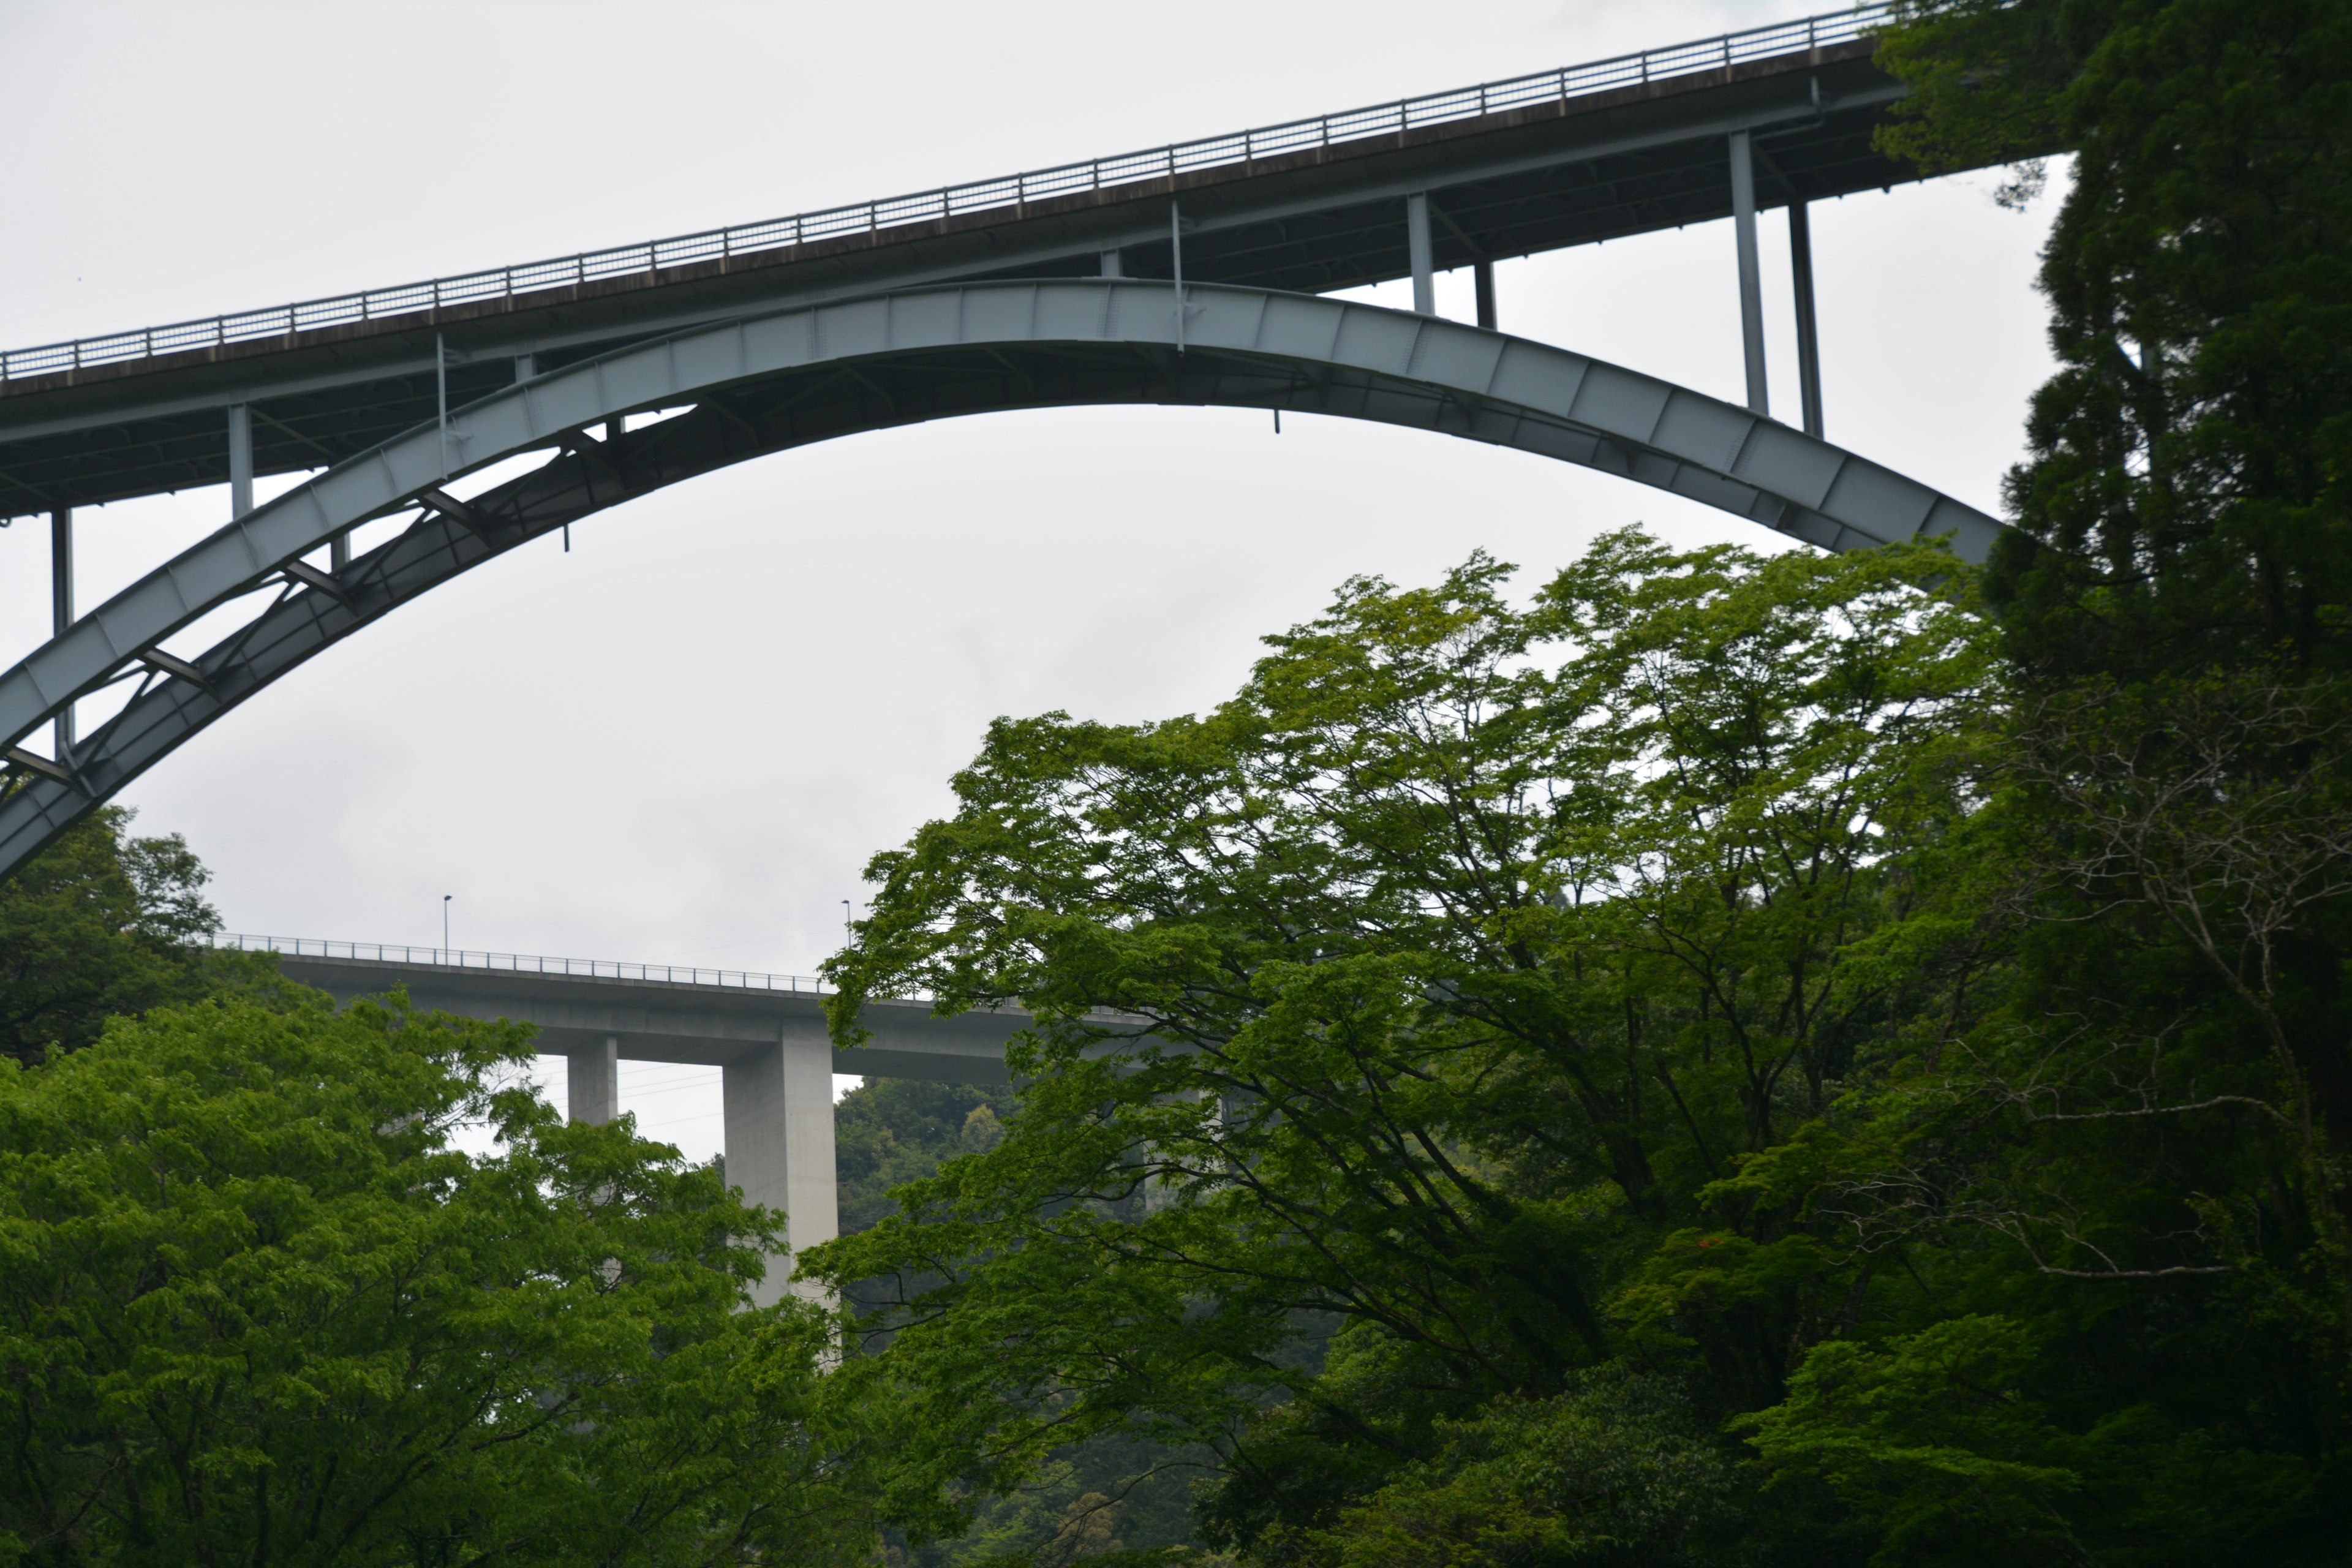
{"x":767,"y":383}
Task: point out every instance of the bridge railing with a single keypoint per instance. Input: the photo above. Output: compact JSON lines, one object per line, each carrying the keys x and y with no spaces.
{"x":951,"y":201}
{"x":517,"y":963}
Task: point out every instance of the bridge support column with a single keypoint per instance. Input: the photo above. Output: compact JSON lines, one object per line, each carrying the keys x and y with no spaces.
{"x":240,"y":459}
{"x":1808,"y":346}
{"x":61,"y":598}
{"x":1483,"y":273}
{"x":593,"y":1082}
{"x":1422,"y":253}
{"x":780,"y":1144}
{"x":1751,"y":278}
{"x":1112,"y":265}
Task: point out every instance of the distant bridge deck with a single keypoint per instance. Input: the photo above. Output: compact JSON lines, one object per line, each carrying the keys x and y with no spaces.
{"x":651,"y":1012}
{"x":1567,"y":157}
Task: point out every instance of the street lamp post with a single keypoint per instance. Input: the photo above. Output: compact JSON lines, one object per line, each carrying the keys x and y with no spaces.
{"x":445,"y":920}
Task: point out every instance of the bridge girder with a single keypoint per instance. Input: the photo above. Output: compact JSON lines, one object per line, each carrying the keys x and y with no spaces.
{"x":771,"y":383}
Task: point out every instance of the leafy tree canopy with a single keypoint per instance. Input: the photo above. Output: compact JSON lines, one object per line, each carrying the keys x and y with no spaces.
{"x":254,"y":1307}
{"x":100,"y":924}
{"x":2186,"y":496}
{"x":1397,"y":1019}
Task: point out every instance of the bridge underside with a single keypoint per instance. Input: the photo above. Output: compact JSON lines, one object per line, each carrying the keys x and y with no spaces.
{"x":751,"y":388}
{"x":1600,"y":167}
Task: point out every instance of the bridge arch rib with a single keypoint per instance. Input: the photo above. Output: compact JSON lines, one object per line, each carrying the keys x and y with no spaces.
{"x":767,"y":383}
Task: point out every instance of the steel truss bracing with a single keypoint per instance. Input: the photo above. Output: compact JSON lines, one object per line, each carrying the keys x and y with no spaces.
{"x":768,"y":384}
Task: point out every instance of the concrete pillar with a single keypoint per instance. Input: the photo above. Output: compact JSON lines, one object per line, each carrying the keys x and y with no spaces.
{"x":240,"y":459}
{"x":61,"y":606}
{"x":1483,"y":273}
{"x":594,"y":1084}
{"x":779,"y":1145}
{"x":1808,"y":345}
{"x":1752,"y":276}
{"x":1421,"y":253}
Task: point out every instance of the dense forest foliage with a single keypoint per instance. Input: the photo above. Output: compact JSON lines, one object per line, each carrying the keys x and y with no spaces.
{"x":1697,"y":1057}
{"x":1737,"y":1059}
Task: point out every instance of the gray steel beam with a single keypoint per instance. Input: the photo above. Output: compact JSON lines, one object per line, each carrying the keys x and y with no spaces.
{"x":1483,"y":273}
{"x":1421,"y":253}
{"x":40,"y":766}
{"x":932,"y":355}
{"x":1176,"y":265}
{"x":1112,"y":266}
{"x":1751,"y":279}
{"x":61,"y":608}
{"x":240,"y":459}
{"x":1808,"y":346}
{"x":155,"y":658}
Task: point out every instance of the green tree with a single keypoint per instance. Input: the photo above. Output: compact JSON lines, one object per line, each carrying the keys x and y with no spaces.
{"x":2186,"y":496}
{"x":255,"y":1308}
{"x":2123,"y":1186}
{"x":889,"y":1132}
{"x":1611,"y":1471}
{"x":101,"y":924}
{"x":1392,"y":1014}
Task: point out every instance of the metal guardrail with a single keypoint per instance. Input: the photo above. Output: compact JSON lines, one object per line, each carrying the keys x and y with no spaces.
{"x":517,"y":963}
{"x":952,"y":201}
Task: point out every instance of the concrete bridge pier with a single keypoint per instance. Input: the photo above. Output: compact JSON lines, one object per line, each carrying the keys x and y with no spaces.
{"x":779,"y":1109}
{"x":778,"y":1120}
{"x":593,"y":1082}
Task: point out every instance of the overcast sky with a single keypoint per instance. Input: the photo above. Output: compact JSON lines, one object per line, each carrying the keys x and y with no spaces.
{"x":681,"y":742}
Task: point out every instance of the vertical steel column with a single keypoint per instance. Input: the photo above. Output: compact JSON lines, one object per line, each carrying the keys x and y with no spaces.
{"x":1421,"y":253}
{"x":240,"y":459}
{"x":1176,"y":265}
{"x":593,"y":1082}
{"x":61,"y":601}
{"x":1482,"y":272}
{"x":1751,"y":279}
{"x":1808,"y":345}
{"x":1112,"y":266}
{"x":526,"y":366}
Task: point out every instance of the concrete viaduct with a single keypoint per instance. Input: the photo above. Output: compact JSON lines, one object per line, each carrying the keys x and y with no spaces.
{"x":765,"y":1032}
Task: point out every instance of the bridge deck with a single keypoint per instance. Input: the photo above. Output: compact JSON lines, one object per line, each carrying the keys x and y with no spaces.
{"x":677,"y":1021}
{"x":1575,"y":170}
